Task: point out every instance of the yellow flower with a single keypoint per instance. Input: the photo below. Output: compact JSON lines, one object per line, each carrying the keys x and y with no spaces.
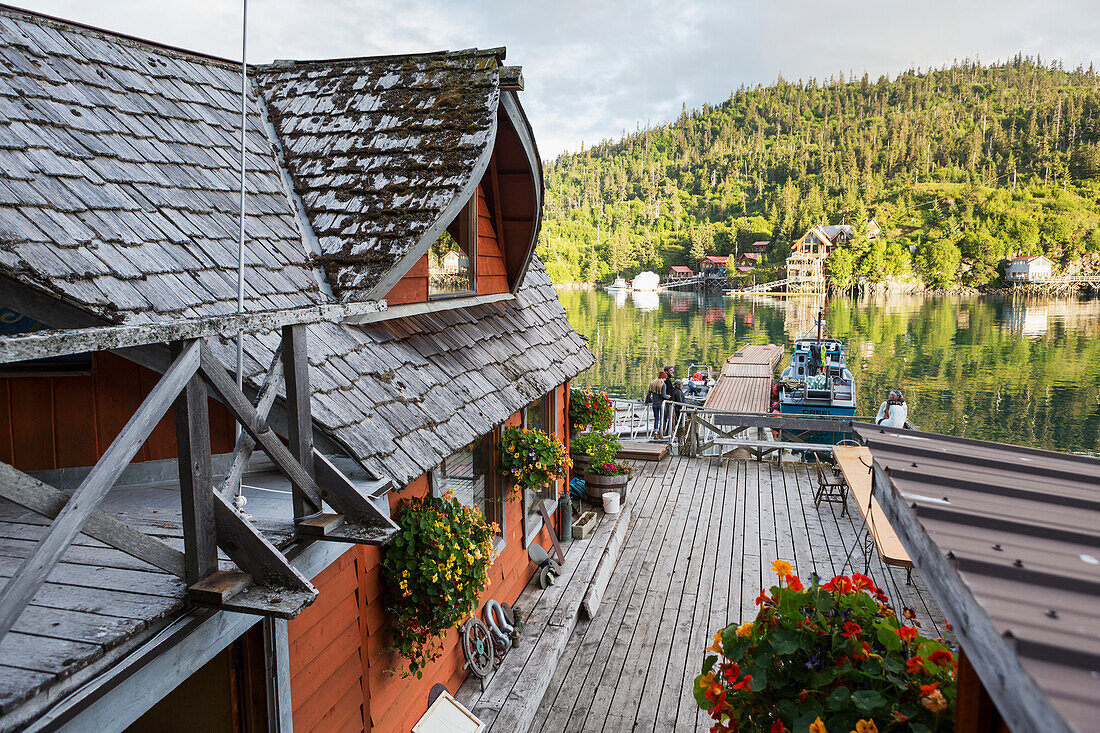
{"x":865,"y":726}
{"x":745,"y":629}
{"x":781,"y":568}
{"x":404,"y":573}
{"x":434,"y":578}
{"x":817,"y":726}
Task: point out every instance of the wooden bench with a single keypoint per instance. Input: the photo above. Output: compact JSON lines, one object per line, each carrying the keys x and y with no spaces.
{"x":855,"y":464}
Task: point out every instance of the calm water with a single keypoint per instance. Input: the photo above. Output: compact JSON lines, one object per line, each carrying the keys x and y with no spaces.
{"x":1024,"y":371}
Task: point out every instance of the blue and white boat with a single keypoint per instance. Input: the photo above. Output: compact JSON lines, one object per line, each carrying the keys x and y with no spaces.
{"x":817,"y":381}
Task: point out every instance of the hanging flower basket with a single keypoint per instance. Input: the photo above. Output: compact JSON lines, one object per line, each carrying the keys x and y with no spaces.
{"x":532,"y":459}
{"x":590,"y":409}
{"x":434,"y":571}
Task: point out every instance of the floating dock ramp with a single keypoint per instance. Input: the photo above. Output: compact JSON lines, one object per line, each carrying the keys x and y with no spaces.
{"x":745,"y":383}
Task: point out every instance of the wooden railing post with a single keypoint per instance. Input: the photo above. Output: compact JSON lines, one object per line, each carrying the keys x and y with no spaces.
{"x":196,"y":480}
{"x":300,"y":429}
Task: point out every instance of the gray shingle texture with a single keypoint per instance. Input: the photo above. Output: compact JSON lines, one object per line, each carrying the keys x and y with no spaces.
{"x":379,"y":147}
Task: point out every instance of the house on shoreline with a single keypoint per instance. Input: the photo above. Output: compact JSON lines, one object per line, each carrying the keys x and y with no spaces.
{"x":154,"y":601}
{"x":806,"y":263}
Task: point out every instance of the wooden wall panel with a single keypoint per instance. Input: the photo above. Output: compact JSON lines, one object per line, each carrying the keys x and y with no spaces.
{"x":327,"y":689}
{"x":492,"y":277}
{"x":413,"y":287}
{"x":324,"y":636}
{"x":65,"y":422}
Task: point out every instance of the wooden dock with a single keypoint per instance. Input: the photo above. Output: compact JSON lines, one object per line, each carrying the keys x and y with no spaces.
{"x":745,"y":382}
{"x":703,"y":536}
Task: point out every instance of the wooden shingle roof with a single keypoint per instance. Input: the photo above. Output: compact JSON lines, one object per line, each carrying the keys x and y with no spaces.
{"x":379,"y":148}
{"x":118,"y":195}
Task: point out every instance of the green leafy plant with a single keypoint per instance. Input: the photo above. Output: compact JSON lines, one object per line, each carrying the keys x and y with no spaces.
{"x":832,"y":657}
{"x":434,"y":571}
{"x":588,"y":408}
{"x":599,"y":447}
{"x":532,"y":458}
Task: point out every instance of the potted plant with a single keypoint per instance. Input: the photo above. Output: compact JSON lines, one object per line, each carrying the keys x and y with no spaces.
{"x":829,"y":657}
{"x":585,"y":525}
{"x":601,"y":478}
{"x":593,"y":447}
{"x":532,"y":459}
{"x":434,"y":571}
{"x":590,"y":410}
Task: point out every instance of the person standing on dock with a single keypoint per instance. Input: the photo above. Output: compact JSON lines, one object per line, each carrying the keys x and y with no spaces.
{"x":656,"y":396}
{"x":893,"y":412}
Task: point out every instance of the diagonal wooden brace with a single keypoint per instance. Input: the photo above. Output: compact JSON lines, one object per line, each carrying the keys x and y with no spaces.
{"x":338,"y":490}
{"x":21,"y":587}
{"x":242,"y":452}
{"x":46,"y":500}
{"x":240,"y":407}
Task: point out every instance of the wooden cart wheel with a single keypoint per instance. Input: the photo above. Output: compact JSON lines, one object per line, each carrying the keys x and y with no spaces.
{"x":477,"y":647}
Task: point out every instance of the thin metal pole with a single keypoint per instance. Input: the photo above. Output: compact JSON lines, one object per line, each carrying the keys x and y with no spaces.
{"x":240,"y":241}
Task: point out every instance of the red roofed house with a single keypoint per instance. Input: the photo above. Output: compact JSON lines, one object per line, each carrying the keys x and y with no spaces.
{"x":761,"y":247}
{"x":679,"y":272}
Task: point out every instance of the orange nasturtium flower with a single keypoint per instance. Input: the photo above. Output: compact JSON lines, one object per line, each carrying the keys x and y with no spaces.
{"x":907,"y":633}
{"x":793,"y":582}
{"x":865,"y":726}
{"x":745,"y":629}
{"x":782,"y":567}
{"x":817,"y":726}
{"x":940,"y":658}
{"x":717,"y":645}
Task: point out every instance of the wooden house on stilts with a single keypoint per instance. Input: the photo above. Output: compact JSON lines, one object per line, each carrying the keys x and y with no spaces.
{"x":136,"y":597}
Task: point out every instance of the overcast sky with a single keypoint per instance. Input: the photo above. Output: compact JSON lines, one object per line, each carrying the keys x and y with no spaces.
{"x":596,"y":67}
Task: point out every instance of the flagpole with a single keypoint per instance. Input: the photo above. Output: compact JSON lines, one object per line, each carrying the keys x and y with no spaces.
{"x":240,"y":241}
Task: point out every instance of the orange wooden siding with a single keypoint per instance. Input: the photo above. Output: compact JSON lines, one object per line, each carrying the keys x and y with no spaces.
{"x":65,"y":422}
{"x":491,"y":274}
{"x":350,"y":604}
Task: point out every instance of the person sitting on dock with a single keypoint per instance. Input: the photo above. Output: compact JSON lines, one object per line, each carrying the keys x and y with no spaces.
{"x":893,"y":412}
{"x":656,"y":395}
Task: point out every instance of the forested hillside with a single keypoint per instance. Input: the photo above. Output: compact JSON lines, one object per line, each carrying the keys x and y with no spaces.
{"x":961,"y":166}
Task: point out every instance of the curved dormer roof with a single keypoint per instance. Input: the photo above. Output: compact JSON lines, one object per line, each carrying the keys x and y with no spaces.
{"x":383,"y":152}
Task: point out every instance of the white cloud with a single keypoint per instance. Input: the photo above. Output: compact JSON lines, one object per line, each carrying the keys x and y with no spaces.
{"x":594,"y":69}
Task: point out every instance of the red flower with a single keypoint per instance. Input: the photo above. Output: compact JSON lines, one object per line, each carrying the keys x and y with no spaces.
{"x":907,"y":633}
{"x":840,"y":584}
{"x":940,"y":658}
{"x":778,"y":727}
{"x":851,"y":629}
{"x":926,"y":690}
{"x":793,"y":582}
{"x":862,"y":582}
{"x":744,"y":683}
{"x":762,"y":598}
{"x":915,"y":665}
{"x":732,"y":672}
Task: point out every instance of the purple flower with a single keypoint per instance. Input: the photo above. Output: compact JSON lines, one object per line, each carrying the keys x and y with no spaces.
{"x":812,"y":663}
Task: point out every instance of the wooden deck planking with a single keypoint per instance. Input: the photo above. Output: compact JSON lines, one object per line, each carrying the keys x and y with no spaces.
{"x":745,"y":380}
{"x":700,"y":549}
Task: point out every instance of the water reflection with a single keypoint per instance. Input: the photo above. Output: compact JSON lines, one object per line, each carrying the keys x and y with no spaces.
{"x":1023,"y":371}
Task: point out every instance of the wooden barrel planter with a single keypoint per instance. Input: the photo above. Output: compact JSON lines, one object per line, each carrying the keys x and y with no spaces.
{"x":580,"y":464}
{"x":596,"y":486}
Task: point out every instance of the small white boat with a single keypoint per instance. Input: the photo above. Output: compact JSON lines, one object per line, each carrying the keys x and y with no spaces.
{"x":647,"y":281}
{"x":619,"y":284}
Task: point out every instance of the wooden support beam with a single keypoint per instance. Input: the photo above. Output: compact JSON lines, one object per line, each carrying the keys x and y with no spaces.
{"x":242,"y":452}
{"x":21,"y":587}
{"x":553,"y":535}
{"x":338,"y":490}
{"x":48,"y":501}
{"x":59,"y":342}
{"x":239,"y":406}
{"x":300,"y":420}
{"x":196,"y":481}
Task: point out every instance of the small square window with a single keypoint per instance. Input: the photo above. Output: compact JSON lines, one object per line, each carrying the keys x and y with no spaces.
{"x":469,"y":474}
{"x":452,"y":258}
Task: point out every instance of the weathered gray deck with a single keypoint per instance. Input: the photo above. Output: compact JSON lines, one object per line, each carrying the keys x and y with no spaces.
{"x":699,"y":549}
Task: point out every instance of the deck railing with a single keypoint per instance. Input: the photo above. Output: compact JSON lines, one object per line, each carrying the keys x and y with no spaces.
{"x":209,"y":519}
